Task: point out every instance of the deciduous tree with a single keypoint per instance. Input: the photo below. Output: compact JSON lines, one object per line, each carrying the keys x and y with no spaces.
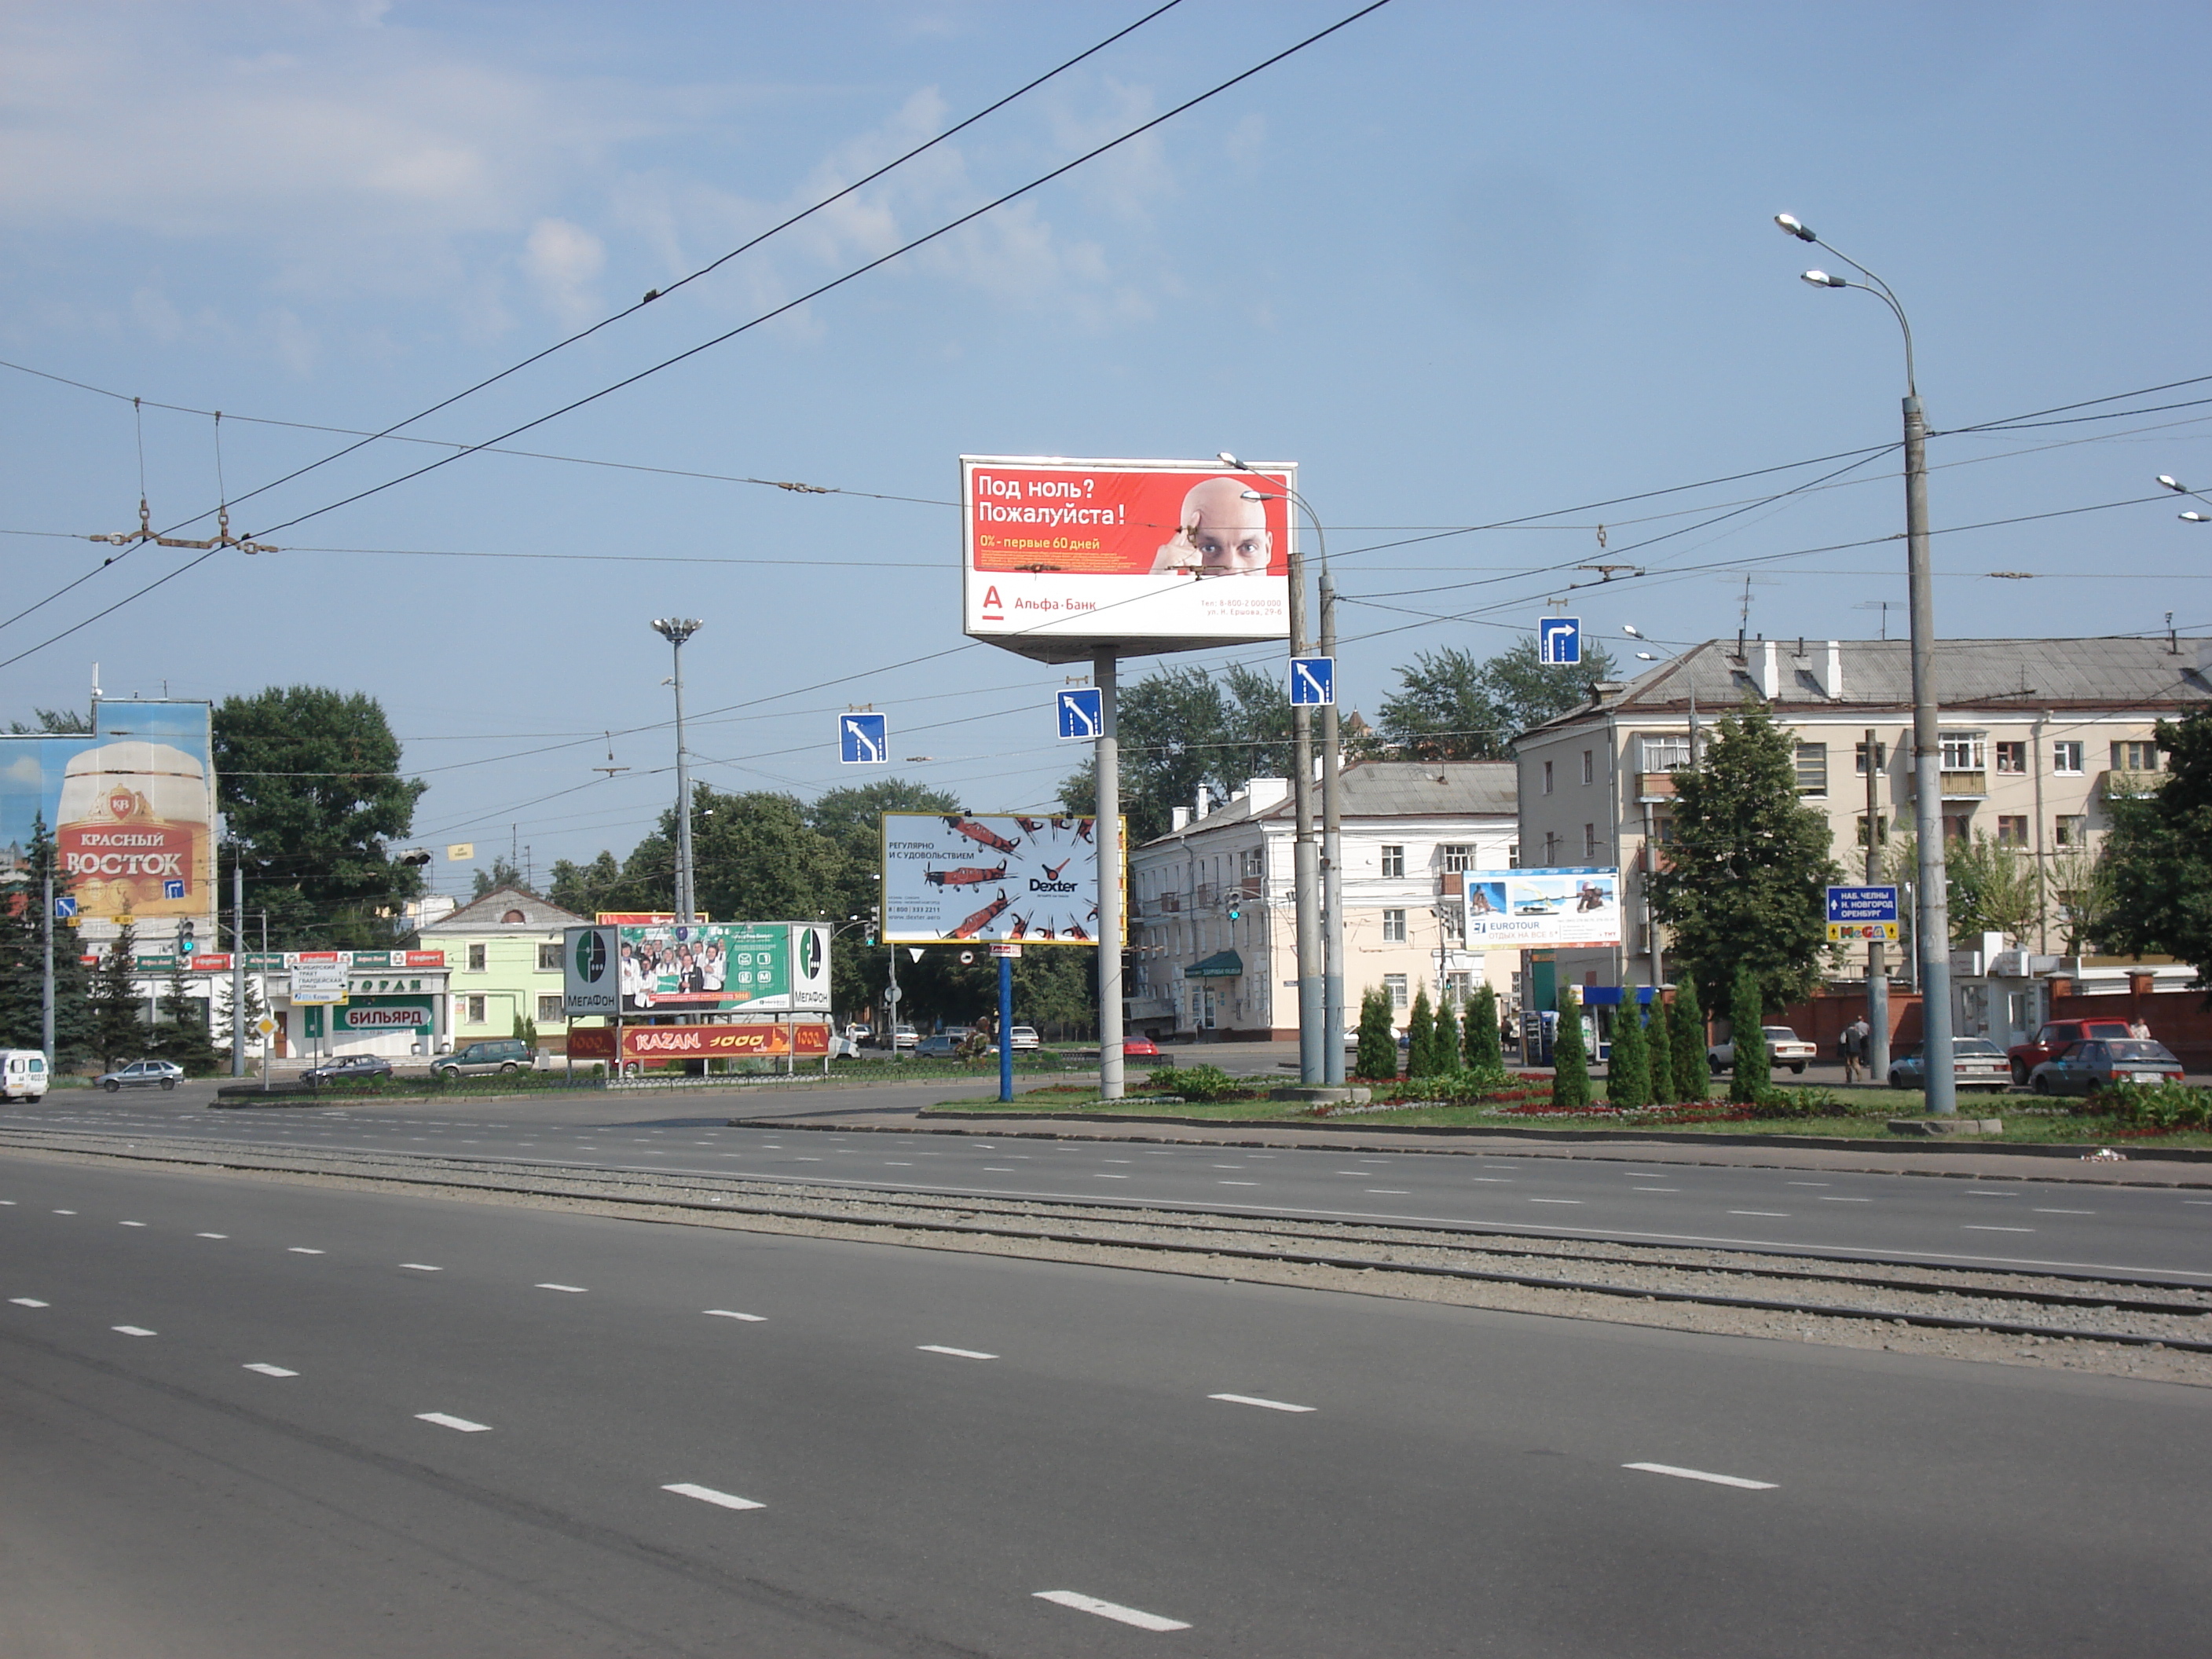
{"x":2159,"y":858}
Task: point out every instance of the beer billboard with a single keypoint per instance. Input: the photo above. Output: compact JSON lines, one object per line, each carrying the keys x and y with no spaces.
{"x":131,"y":806}
{"x":950,"y":878}
{"x":1546,"y":909}
{"x":1064,"y":556}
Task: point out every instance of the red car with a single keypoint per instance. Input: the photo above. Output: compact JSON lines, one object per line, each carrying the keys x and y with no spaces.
{"x":2054,"y":1039}
{"x":1139,"y":1047}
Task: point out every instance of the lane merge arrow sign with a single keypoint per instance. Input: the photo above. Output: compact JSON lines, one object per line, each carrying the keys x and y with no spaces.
{"x":1082,"y":711}
{"x":1313,"y":682}
{"x":863,"y":739}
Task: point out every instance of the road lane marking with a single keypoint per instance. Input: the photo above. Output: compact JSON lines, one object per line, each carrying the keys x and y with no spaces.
{"x":64,"y":1211}
{"x":1108,"y":1177}
{"x":1555,"y":1200}
{"x":270,"y":1371}
{"x":1778,"y":1215}
{"x":301,"y":1249}
{"x":130,"y":1223}
{"x":133,"y":1330}
{"x":1970,"y":1227}
{"x":708,"y":1495}
{"x":420,"y":1267}
{"x":998,"y":1168}
{"x":1372,"y":1192}
{"x":573,"y":1290}
{"x":1701,"y":1474}
{"x":1504,"y":1181}
{"x":2066,"y":1213}
{"x":1254,"y":1400}
{"x":1830,"y":1198}
{"x":1228,"y":1166}
{"x":727,"y":1313}
{"x":1083,"y":1603}
{"x":1971,"y":1193}
{"x":1655,"y":1189}
{"x":1236,"y":1183}
{"x":1811,"y":1183}
{"x":460,"y":1423}
{"x":29,"y":1302}
{"x":956,"y":1353}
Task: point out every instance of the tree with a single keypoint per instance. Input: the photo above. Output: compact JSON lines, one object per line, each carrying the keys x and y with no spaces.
{"x":182,"y":1037}
{"x":2159,"y":856}
{"x":584,"y":890}
{"x":1443,"y":1041}
{"x":1528,"y":691}
{"x":1991,"y":887}
{"x":1481,"y":1044}
{"x":502,"y":874}
{"x":1377,"y":1056}
{"x":1171,"y":724}
{"x":310,"y":787}
{"x":1452,"y":706}
{"x":1751,"y":1068}
{"x":1685,"y":1036}
{"x":2082,"y":886}
{"x":118,"y":1033}
{"x":65,"y":720}
{"x":22,"y":961}
{"x":1658,"y":1037}
{"x":1570,"y":1084}
{"x":1743,"y":882}
{"x":1421,"y":1037}
{"x":1628,"y":1073}
{"x":851,"y":819}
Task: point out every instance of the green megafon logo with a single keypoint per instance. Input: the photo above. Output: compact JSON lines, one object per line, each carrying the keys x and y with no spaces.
{"x":810,"y":954}
{"x":591,"y":956}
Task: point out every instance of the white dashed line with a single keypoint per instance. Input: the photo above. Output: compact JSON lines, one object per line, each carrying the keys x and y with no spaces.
{"x":1778,"y":1215}
{"x":1372,"y":1192}
{"x":301,"y":1249}
{"x":1555,"y":1200}
{"x":726,"y":1313}
{"x":420,"y":1267}
{"x":28,"y":1301}
{"x":1254,"y":1400}
{"x":573,"y":1290}
{"x":1811,"y":1183}
{"x":995,"y":1168}
{"x":1655,"y":1189}
{"x":1831,"y":1199}
{"x":64,"y":1211}
{"x":2066,"y":1213}
{"x":1701,"y":1474}
{"x":133,"y":1330}
{"x":708,"y":1495}
{"x":1108,"y":1177}
{"x":270,"y":1371}
{"x":210,"y":1235}
{"x":1972,"y":1228}
{"x":460,"y":1423}
{"x":1236,"y":1183}
{"x":1083,"y":1603}
{"x":130,"y":1223}
{"x":1503,"y":1180}
{"x":956,"y":1353}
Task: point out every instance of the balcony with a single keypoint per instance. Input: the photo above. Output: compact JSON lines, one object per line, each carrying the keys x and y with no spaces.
{"x":1956,"y":785}
{"x":1655,"y":785}
{"x":2119,"y":785}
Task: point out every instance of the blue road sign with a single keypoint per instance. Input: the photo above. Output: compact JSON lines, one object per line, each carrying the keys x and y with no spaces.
{"x":64,"y":907}
{"x":1081,"y":710}
{"x":863,"y":739}
{"x":1863,"y":904}
{"x":1313,"y":682}
{"x":1560,"y":641}
{"x":172,"y":890}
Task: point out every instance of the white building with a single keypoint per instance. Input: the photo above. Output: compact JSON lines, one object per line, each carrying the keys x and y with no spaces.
{"x":1213,"y":927}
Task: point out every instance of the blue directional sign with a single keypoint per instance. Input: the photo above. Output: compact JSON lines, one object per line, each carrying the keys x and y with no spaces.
{"x":1082,"y":711}
{"x":64,"y":907}
{"x":1862,"y":913}
{"x":863,"y":739}
{"x":1560,"y":641}
{"x":1313,"y":682}
{"x":172,"y":890}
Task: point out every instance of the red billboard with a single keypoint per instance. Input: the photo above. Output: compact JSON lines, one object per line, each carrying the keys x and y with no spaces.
{"x":756,"y":1040}
{"x":591,"y":1042}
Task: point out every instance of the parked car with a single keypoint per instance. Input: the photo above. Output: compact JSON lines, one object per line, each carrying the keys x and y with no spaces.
{"x":23,"y":1073}
{"x":1976,"y":1063}
{"x":347,"y":1068}
{"x":1026,"y":1039}
{"x":141,"y":1074}
{"x":944,"y":1045}
{"x":2056,"y":1037}
{"x":2086,"y":1067}
{"x":1139,"y":1047}
{"x":859,"y":1031}
{"x":1783,"y":1047}
{"x":476,"y":1059}
{"x":902,"y":1037}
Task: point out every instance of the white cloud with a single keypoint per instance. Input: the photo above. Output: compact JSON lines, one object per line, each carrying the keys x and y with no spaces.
{"x":562,"y":258}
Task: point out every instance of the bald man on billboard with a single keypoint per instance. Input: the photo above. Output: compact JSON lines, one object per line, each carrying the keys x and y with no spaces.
{"x":1223,"y":533}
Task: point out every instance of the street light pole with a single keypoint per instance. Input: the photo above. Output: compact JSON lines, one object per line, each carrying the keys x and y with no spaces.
{"x":676,"y":630}
{"x":1332,"y":850}
{"x":1933,"y":933}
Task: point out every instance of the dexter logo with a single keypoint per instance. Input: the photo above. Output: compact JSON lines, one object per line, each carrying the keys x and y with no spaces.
{"x":1036,"y":886}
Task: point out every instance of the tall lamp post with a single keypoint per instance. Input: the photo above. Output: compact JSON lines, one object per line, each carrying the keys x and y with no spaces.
{"x":1933,"y":933}
{"x":676,"y":630}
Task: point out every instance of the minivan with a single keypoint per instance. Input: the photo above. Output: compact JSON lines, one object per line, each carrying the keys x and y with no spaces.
{"x":22,"y":1073}
{"x":508,"y":1054}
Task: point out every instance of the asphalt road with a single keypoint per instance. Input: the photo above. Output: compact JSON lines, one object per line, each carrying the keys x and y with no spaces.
{"x":242,"y":1419}
{"x":2152,"y":1233}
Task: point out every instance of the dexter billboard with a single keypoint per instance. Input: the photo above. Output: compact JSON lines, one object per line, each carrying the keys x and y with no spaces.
{"x":953,"y":879}
{"x":1557,"y":908}
{"x":1063,"y":556}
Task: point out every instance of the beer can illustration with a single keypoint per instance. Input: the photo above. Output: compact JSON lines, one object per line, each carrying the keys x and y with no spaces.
{"x":132,"y":830}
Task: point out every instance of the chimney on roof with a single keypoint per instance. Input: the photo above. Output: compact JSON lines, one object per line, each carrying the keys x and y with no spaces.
{"x":1835,"y":669}
{"x":1178,"y":819}
{"x":1769,"y":672}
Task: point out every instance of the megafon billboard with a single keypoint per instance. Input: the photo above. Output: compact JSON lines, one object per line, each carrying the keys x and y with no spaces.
{"x":1064,"y":556}
{"x":131,"y":804}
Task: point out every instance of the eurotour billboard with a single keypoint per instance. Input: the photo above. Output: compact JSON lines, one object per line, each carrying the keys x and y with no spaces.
{"x":1062,"y":556}
{"x":1541,"y":909}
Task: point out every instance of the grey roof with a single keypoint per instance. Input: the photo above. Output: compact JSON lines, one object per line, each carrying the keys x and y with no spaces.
{"x":1985,"y":676}
{"x":1394,"y":789}
{"x":483,"y":915}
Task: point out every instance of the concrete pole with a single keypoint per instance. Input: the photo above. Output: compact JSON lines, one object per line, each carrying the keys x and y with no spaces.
{"x":47,"y":977}
{"x":1933,"y":932}
{"x":1332,"y":858}
{"x":237,"y":962}
{"x":1877,"y":1050}
{"x":1305,"y":856}
{"x":1107,"y":830}
{"x":1006,"y":1023}
{"x":686,"y":904}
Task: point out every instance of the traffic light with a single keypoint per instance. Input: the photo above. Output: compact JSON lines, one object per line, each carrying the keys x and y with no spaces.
{"x":1236,"y":907}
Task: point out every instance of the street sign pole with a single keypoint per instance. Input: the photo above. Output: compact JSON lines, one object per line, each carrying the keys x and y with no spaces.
{"x":1877,"y":1054}
{"x":237,"y":962}
{"x":1006,"y":1020}
{"x":1104,"y":670}
{"x":47,"y":977}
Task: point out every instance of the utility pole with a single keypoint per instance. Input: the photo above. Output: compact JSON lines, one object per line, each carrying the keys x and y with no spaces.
{"x":47,"y":977}
{"x":238,"y":961}
{"x":1938,"y":1066}
{"x":1332,"y":853}
{"x":1877,"y":1051}
{"x":1105,"y":674}
{"x":676,"y":630}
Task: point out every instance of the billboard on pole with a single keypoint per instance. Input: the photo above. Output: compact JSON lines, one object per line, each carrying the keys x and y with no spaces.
{"x":1559,"y":908}
{"x":953,"y":879}
{"x":1062,"y":556}
{"x":714,"y":967}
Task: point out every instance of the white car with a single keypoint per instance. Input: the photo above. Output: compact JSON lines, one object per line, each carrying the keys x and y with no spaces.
{"x":1026,"y":1039}
{"x":1783,"y":1047}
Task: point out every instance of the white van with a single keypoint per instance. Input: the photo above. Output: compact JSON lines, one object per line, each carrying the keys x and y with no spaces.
{"x":22,"y":1073}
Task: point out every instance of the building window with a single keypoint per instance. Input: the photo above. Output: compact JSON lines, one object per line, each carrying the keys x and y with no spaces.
{"x":1858,"y":757}
{"x":1812,"y":768}
{"x":1589,"y":841}
{"x":2066,"y":758}
{"x":1255,"y":863}
{"x":1662,"y":828}
{"x":1458,"y":858}
{"x":1955,"y":826}
{"x":1394,"y":927}
{"x":1513,"y":855}
{"x":1590,"y":766}
{"x":2012,"y":831}
{"x":1963,"y":752}
{"x":1551,"y":847}
{"x":1395,"y":985}
{"x":472,"y":1011}
{"x":2071,"y":830}
{"x":1880,"y":830}
{"x":1394,"y":861}
{"x":2135,"y":757}
{"x":548,"y":958}
{"x":549,"y":1007}
{"x":477,"y":958}
{"x":1547,"y":777}
{"x":1459,"y":985}
{"x":2012,"y":756}
{"x":1664,"y":754}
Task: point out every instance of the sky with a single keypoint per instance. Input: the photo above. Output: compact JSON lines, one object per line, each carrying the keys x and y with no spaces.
{"x":1493,"y":276}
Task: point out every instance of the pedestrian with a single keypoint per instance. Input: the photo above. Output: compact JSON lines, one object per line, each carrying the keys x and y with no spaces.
{"x":1854,"y":1046}
{"x":2139,"y":1027}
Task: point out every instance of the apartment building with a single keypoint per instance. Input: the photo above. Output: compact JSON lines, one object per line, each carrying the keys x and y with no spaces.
{"x":2038,"y":736}
{"x":1213,"y":926}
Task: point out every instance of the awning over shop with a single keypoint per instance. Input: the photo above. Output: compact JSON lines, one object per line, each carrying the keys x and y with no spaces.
{"x":1222,"y":964}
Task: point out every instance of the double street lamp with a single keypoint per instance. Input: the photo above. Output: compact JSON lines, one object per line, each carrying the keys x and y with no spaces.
{"x":1933,"y":933}
{"x":676,"y":630}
